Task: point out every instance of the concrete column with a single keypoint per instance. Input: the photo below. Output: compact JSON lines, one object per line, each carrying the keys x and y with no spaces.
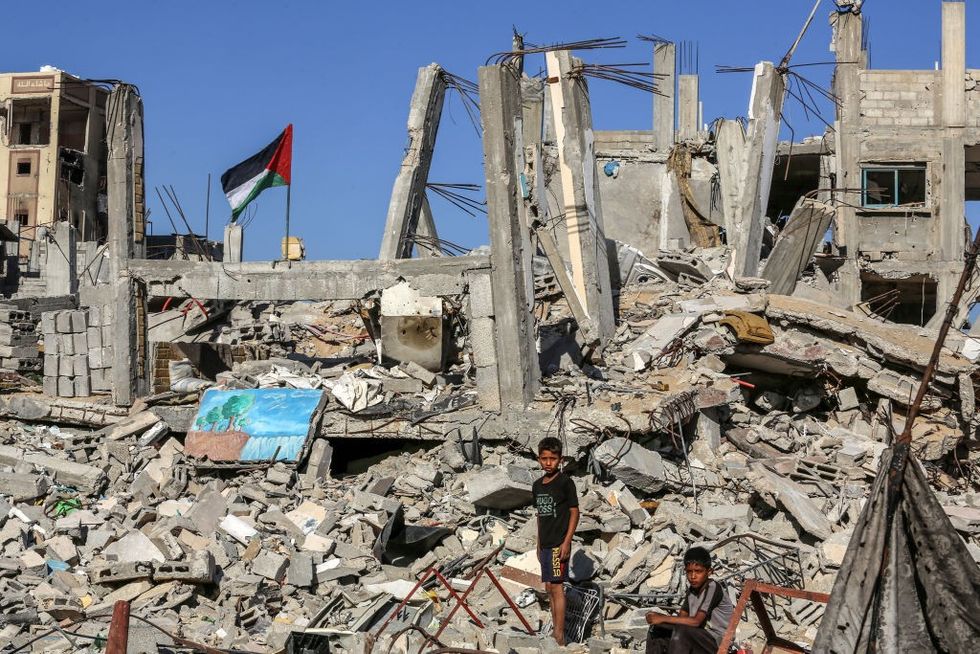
{"x":516,"y":360}
{"x":848,"y":30}
{"x":762,"y":136}
{"x":688,"y":107}
{"x":673,"y":228}
{"x":954,"y":63}
{"x":123,"y":111}
{"x":730,"y":144}
{"x":581,"y":204}
{"x":234,"y":243}
{"x":427,"y":229}
{"x":61,"y":269}
{"x":664,"y":65}
{"x":952,"y":209}
{"x":532,"y":109}
{"x":409,"y":189}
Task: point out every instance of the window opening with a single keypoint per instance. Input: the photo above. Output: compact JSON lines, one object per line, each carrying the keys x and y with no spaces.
{"x":892,"y":187}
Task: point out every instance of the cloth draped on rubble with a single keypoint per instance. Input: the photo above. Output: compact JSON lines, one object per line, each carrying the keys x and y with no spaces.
{"x":926,"y":596}
{"x":401,"y":544}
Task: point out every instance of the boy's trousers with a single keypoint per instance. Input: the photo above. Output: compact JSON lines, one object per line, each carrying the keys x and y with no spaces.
{"x":680,"y":640}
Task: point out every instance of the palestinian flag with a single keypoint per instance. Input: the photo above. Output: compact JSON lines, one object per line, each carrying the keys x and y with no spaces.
{"x":270,"y":167}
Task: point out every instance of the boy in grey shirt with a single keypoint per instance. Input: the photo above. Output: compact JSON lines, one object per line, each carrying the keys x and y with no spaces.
{"x":699,"y":626}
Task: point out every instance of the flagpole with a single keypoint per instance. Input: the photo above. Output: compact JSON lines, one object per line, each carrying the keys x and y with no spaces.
{"x":289,"y":189}
{"x":207,"y":218}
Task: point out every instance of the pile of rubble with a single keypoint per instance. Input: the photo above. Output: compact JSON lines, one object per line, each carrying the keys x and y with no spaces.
{"x":720,"y":415}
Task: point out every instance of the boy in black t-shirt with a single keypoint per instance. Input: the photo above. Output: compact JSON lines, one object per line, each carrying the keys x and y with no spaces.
{"x":557,"y":503}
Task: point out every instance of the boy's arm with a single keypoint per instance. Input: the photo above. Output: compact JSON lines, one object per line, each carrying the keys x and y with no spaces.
{"x":681,"y":620}
{"x":566,"y":545}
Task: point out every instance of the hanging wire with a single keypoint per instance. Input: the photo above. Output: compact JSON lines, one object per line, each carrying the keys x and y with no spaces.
{"x":653,"y":38}
{"x":620,"y":74}
{"x":469,"y":95}
{"x":440,"y":245}
{"x":456,"y":194}
{"x":501,"y":58}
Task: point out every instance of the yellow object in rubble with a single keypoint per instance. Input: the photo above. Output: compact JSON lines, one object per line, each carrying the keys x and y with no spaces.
{"x":748,"y":327}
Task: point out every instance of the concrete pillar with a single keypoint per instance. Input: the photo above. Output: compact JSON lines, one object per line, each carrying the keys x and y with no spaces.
{"x":673,"y":228}
{"x":123,"y":114}
{"x":427,"y":230}
{"x":234,"y":243}
{"x":688,"y":107}
{"x":730,"y":144}
{"x":664,"y":66}
{"x":762,"y":136}
{"x":581,"y":204}
{"x":61,"y":268}
{"x":954,"y":63}
{"x":532,"y":109}
{"x":848,"y":30}
{"x":952,"y":209}
{"x":409,"y":189}
{"x":518,"y":374}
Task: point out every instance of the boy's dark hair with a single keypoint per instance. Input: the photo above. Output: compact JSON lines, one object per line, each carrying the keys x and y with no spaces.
{"x":551,"y":444}
{"x":698,"y":555}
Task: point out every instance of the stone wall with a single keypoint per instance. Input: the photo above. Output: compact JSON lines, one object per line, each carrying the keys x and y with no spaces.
{"x":904,"y":98}
{"x":77,"y":351}
{"x":973,"y":98}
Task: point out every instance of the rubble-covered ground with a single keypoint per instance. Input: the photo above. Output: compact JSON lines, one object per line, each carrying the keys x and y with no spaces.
{"x":720,"y":415}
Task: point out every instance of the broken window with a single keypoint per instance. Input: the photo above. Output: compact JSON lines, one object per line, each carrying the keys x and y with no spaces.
{"x":24,"y":167}
{"x":31,"y":122}
{"x":892,"y":187}
{"x":910,"y":301}
{"x":72,"y":166}
{"x":72,"y":125}
{"x":22,"y":218}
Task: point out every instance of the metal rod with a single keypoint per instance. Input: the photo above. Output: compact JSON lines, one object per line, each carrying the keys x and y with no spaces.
{"x":180,"y":211}
{"x":207,"y":218}
{"x":806,"y":26}
{"x":172,"y":223}
{"x":289,"y":188}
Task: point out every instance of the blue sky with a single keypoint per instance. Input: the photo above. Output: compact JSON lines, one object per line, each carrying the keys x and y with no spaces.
{"x":221,"y":79}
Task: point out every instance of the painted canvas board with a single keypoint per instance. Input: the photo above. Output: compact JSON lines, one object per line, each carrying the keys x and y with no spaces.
{"x":254,"y":424}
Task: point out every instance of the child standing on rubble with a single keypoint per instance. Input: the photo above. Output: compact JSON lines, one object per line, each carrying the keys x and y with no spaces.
{"x":700,"y":625}
{"x":556,"y":500}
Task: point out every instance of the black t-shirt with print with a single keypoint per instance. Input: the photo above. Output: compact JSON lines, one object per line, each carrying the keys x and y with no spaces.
{"x":553,"y":501}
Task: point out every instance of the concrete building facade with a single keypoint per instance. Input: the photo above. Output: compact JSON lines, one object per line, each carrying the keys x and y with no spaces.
{"x":907,"y":158}
{"x":52,"y":155}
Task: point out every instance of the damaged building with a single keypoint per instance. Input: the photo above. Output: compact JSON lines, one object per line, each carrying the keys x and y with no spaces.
{"x":727,"y":332}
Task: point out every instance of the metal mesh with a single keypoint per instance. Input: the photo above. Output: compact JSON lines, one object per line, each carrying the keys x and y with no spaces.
{"x":582,"y":606}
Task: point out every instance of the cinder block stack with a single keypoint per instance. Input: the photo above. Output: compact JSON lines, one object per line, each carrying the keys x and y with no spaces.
{"x":76,"y":354}
{"x":18,"y":340}
{"x":100,"y":347}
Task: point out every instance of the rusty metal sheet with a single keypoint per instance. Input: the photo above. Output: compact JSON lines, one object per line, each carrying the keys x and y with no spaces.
{"x":929,"y":596}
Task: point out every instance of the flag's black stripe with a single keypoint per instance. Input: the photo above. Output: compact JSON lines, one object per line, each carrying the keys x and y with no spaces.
{"x":246,"y":170}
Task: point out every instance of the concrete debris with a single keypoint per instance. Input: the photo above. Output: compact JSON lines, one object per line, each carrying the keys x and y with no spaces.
{"x":635,"y":466}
